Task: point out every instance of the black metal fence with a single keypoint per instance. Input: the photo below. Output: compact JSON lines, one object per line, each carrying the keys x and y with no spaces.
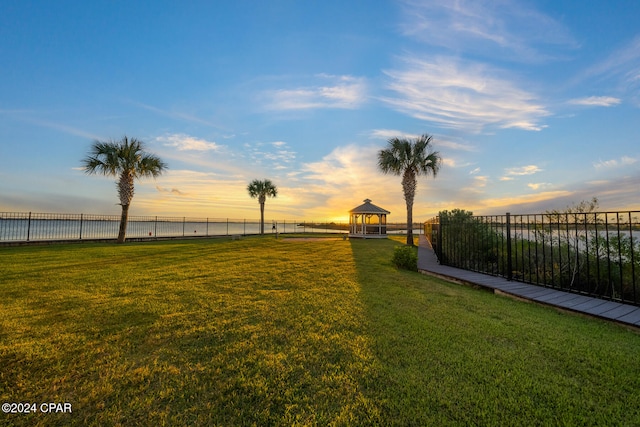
{"x":595,"y":253}
{"x":34,"y":227}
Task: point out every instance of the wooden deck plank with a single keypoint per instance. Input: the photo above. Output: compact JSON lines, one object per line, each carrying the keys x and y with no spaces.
{"x":633,"y":317}
{"x":555,"y":295}
{"x":589,"y":305}
{"x":620,"y":310}
{"x":561,"y":297}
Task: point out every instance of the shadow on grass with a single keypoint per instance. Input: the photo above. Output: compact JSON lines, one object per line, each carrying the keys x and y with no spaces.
{"x":450,"y":355}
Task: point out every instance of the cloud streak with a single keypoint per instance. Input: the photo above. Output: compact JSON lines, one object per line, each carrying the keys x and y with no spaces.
{"x":27,"y":117}
{"x":387,"y":134}
{"x":523,"y":170}
{"x":510,"y":30}
{"x":596,"y":101}
{"x":622,"y":68}
{"x":275,"y":155}
{"x":614,"y":163}
{"x":174,"y":191}
{"x":538,"y":185}
{"x":624,"y":61}
{"x":462,"y":95}
{"x":183,"y":142}
{"x":342,"y":92}
{"x":175,"y":115}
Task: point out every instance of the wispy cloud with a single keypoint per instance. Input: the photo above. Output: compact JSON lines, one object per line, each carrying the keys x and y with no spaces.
{"x":176,"y":115}
{"x":512,"y":30}
{"x":344,"y":165}
{"x":624,"y":61}
{"x":481,"y":181}
{"x":29,"y":116}
{"x":343,"y":92}
{"x":392,"y":133}
{"x":349,"y":174}
{"x":66,"y":129}
{"x":277,"y":154}
{"x":538,"y":185}
{"x":522,"y":200}
{"x":345,"y":177}
{"x":613,"y":163}
{"x":451,"y":163}
{"x":596,"y":101}
{"x":174,"y":191}
{"x":463,"y":95}
{"x":438,"y":142}
{"x":471,"y":95}
{"x":523,"y":170}
{"x":203,"y":193}
{"x":183,"y":142}
{"x":622,"y":68}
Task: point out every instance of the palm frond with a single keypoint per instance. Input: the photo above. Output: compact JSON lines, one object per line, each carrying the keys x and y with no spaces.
{"x":262,"y":189}
{"x":392,"y":160}
{"x":114,"y":157}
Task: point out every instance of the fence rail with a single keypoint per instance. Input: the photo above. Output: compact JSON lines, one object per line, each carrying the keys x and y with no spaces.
{"x":595,"y":253}
{"x":34,"y":227}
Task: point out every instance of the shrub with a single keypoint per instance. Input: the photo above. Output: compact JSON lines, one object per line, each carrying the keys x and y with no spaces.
{"x":406,"y":257}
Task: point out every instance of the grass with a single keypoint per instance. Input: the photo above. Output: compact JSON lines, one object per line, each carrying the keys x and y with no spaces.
{"x":292,"y":332}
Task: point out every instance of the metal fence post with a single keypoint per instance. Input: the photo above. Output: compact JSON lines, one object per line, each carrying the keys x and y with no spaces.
{"x":633,"y":270}
{"x":439,"y":239}
{"x":29,"y":227}
{"x":509,"y":262}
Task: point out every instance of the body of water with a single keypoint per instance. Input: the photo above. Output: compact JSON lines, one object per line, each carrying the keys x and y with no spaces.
{"x":51,"y":227}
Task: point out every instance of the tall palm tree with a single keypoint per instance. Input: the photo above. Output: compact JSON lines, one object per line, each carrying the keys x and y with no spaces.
{"x":127,"y":160}
{"x":262,"y":190}
{"x":409,"y":158}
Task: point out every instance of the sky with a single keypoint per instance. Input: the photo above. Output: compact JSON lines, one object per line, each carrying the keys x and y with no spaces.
{"x":532,"y":105}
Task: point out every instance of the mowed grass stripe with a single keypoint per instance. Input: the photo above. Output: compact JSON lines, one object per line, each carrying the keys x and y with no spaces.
{"x":262,"y":331}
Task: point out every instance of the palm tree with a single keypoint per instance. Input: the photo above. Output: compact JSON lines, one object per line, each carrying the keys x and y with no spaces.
{"x":409,"y":158}
{"x":262,"y":190}
{"x":127,"y":160}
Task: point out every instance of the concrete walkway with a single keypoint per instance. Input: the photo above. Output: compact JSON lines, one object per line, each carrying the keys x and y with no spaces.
{"x":609,"y":310}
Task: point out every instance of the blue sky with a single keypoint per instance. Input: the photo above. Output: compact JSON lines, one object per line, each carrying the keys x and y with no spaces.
{"x":533,"y":105}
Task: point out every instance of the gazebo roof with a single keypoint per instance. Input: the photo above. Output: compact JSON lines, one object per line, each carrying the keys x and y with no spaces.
{"x":369,"y":208}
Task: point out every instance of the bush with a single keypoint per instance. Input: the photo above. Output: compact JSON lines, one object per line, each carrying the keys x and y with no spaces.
{"x":406,"y":257}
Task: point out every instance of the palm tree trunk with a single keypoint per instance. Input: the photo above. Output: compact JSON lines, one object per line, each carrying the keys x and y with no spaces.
{"x":409,"y":184}
{"x":125,"y":191}
{"x":122,"y":232}
{"x":409,"y":224}
{"x":262,"y":218}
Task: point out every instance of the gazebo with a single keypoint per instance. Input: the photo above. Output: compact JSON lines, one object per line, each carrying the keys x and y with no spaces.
{"x":368,"y":221}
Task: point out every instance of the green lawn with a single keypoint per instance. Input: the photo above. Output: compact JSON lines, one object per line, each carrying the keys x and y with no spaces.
{"x":292,"y":332}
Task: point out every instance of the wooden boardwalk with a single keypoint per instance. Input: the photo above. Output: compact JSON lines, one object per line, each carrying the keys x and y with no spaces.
{"x":609,"y":310}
